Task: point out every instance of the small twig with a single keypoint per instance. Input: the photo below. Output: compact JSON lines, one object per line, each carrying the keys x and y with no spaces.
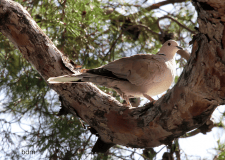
{"x":161,"y":31}
{"x":218,"y":125}
{"x":84,"y":145}
{"x":147,"y":28}
{"x":161,"y":149}
{"x":190,"y":134}
{"x":177,"y":150}
{"x":183,"y":26}
{"x":126,"y":149}
{"x":112,"y":46}
{"x":128,"y":5}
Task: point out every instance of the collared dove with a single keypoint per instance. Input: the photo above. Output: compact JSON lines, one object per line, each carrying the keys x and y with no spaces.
{"x":136,"y":76}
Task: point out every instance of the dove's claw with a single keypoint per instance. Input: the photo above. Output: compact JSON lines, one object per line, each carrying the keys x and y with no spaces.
{"x":149,"y":98}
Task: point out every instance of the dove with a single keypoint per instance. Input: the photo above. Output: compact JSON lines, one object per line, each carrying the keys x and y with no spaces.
{"x":141,"y":75}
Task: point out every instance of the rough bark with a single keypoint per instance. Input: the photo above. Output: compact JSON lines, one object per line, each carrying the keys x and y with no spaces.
{"x":189,"y":105}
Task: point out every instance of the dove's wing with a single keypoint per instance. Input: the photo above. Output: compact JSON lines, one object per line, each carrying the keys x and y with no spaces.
{"x":139,"y":69}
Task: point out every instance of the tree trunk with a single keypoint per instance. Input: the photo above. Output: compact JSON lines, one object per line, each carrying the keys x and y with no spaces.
{"x":189,"y":105}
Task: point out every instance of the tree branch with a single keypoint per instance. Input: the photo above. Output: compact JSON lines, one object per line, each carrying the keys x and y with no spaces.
{"x":183,"y":26}
{"x":163,"y":3}
{"x":199,"y":90}
{"x":151,"y":7}
{"x":184,"y":54}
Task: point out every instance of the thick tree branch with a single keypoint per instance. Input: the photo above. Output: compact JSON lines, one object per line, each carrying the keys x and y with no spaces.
{"x":184,"y":54}
{"x":199,"y":90}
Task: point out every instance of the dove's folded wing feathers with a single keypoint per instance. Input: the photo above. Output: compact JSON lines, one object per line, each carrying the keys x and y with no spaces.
{"x":139,"y":69}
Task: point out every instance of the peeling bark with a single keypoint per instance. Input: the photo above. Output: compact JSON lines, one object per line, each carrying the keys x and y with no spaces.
{"x":189,"y":105}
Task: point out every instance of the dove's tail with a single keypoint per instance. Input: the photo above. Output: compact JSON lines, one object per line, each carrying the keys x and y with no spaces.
{"x":73,"y":78}
{"x":98,"y":76}
{"x":66,"y":79}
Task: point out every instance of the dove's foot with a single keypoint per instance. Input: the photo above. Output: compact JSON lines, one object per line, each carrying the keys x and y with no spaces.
{"x":149,"y":98}
{"x":127,"y":105}
{"x":127,"y":102}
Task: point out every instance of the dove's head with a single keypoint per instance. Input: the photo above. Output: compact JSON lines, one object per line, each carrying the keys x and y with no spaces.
{"x":169,"y":48}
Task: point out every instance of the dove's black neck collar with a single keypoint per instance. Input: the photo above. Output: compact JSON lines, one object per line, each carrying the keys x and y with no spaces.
{"x":162,"y":54}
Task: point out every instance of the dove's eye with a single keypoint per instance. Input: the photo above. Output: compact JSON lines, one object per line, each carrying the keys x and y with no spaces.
{"x":169,"y":44}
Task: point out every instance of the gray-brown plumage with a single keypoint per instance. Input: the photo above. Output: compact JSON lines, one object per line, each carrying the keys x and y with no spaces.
{"x":136,"y":76}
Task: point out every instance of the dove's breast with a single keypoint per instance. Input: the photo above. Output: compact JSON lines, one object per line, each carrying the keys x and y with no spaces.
{"x":166,"y":79}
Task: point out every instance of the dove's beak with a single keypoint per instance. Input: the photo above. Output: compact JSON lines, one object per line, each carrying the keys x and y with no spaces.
{"x":179,"y":47}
